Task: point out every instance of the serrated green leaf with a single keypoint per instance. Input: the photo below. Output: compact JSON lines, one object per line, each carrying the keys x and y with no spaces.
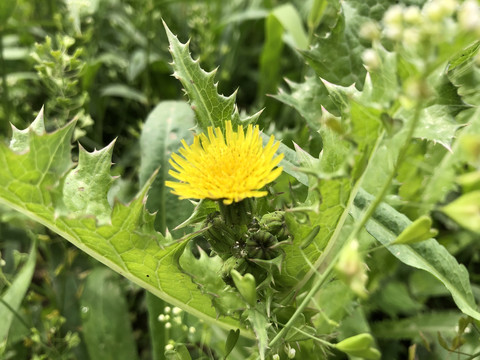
{"x":337,"y":58}
{"x":385,"y":225}
{"x":437,"y":125}
{"x":15,"y":293}
{"x":165,"y":127}
{"x":307,"y":98}
{"x":87,"y":198}
{"x":31,"y":181}
{"x":211,"y":108}
{"x":260,"y":325}
{"x":105,"y":319}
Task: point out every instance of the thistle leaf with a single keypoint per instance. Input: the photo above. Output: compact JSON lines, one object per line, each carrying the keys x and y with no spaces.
{"x":34,"y":180}
{"x":211,"y":108}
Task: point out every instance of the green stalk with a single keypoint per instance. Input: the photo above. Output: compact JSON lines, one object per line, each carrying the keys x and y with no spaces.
{"x":325,"y":274}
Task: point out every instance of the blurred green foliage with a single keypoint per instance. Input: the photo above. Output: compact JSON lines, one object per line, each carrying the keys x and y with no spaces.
{"x":105,"y":63}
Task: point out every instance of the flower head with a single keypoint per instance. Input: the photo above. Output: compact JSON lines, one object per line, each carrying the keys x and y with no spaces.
{"x":231,"y":167}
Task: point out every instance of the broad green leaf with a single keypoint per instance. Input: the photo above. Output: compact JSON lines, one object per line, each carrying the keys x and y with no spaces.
{"x":15,"y":293}
{"x":165,"y":127}
{"x":418,"y":327}
{"x":211,"y":108}
{"x":106,"y":324}
{"x":429,"y":255}
{"x":291,"y":21}
{"x":31,"y":182}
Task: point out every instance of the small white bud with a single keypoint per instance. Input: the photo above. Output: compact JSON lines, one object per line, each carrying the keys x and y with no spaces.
{"x":412,"y":15}
{"x":469,"y":16}
{"x":370,"y":59}
{"x":394,"y":32}
{"x":192,"y":330}
{"x":161,"y":318}
{"x":276,"y":357}
{"x":168,"y":325}
{"x":291,"y":353}
{"x":177,"y":320}
{"x":176,"y":310}
{"x":370,"y":31}
{"x":169,"y":347}
{"x":411,"y":37}
{"x":433,"y":11}
{"x":448,"y":7}
{"x":167,"y":309}
{"x":393,"y":16}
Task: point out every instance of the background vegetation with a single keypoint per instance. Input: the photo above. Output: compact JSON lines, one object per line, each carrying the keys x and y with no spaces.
{"x":106,"y":63}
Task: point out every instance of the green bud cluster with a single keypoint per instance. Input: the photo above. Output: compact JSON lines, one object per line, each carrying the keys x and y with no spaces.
{"x":239,"y":244}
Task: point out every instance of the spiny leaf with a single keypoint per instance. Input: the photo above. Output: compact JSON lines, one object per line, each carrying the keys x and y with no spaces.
{"x":31,"y":182}
{"x":85,"y":188}
{"x":307,"y":98}
{"x":211,"y":108}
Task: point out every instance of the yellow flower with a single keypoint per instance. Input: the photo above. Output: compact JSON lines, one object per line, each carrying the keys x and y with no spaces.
{"x":230,"y":168}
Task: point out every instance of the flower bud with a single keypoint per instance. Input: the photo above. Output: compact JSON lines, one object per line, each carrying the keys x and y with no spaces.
{"x":412,"y":15}
{"x":260,"y":245}
{"x":352,"y":270}
{"x":370,"y":31}
{"x":371,"y":59}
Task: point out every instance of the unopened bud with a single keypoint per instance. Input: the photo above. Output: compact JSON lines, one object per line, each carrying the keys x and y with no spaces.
{"x":370,"y":31}
{"x":371,"y":59}
{"x":412,"y":15}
